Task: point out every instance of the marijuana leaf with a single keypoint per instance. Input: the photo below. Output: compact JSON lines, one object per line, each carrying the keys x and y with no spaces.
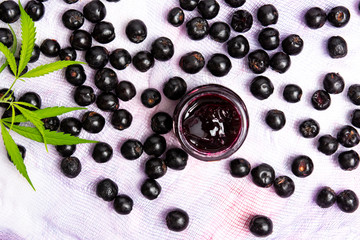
{"x":13,"y":49}
{"x":10,"y":57}
{"x":48,"y":68}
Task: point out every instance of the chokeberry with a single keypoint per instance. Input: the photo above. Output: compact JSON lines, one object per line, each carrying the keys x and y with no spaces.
{"x":347,"y":201}
{"x":235,"y":3}
{"x":302,"y":166}
{"x":275,"y":119}
{"x":131,"y":149}
{"x":177,"y":220}
{"x":219,"y":65}
{"x":176,"y":17}
{"x":197,"y":28}
{"x":50,"y":48}
{"x":188,"y":5}
{"x":320,"y":100}
{"x":9,"y":95}
{"x":238,"y":46}
{"x":102,"y":152}
{"x":75,"y":75}
{"x":71,"y":126}
{"x":155,"y":168}
{"x":162,"y":49}
{"x":120,"y":59}
{"x":176,"y":158}
{"x":107,"y":101}
{"x":106,"y":79}
{"x":8,"y":114}
{"x":68,"y":1}
{"x":150,"y":97}
{"x":315,"y":18}
{"x":155,"y":145}
{"x":65,"y":150}
{"x":348,"y":136}
{"x":103,"y":32}
{"x":94,"y":11}
{"x":309,"y":128}
{"x":263,"y":175}
{"x":348,"y":160}
{"x":22,"y":150}
{"x":32,"y":98}
{"x":9,"y":11}
{"x":292,"y":44}
{"x":51,"y":123}
{"x":35,"y":54}
{"x":81,"y":40}
{"x":267,"y":15}
{"x":261,"y":87}
{"x":35,"y":10}
{"x":6,"y":37}
{"x":241,"y":21}
{"x":354,"y":94}
{"x":239,"y":167}
{"x":136,"y":31}
{"x":292,"y":93}
{"x":84,"y":95}
{"x":261,"y":226}
{"x":97,"y":57}
{"x":121,"y":119}
{"x":150,"y":189}
{"x":93,"y":122}
{"x":326,"y":197}
{"x":73,"y":19}
{"x":269,"y":38}
{"x":333,"y":83}
{"x":339,"y":16}
{"x":355,"y":118}
{"x":161,"y":123}
{"x":280,"y":62}
{"x":192,"y":62}
{"x":208,"y":9}
{"x":175,"y":88}
{"x":327,"y":144}
{"x":71,"y":167}
{"x":67,"y":54}
{"x":258,"y":61}
{"x":125,"y":90}
{"x":337,"y":47}
{"x":143,"y":61}
{"x":284,"y":186}
{"x":107,"y":189}
{"x":123,"y":204}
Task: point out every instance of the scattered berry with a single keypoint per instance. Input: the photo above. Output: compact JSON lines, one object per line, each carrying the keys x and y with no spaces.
{"x":102,"y":152}
{"x":97,"y":57}
{"x":50,"y":48}
{"x":275,"y":119}
{"x":106,"y":79}
{"x":35,"y":10}
{"x":261,"y":87}
{"x":143,"y":61}
{"x":348,"y":136}
{"x":107,"y":189}
{"x":73,"y":19}
{"x":192,"y":62}
{"x":107,"y":101}
{"x":208,"y":9}
{"x":175,"y":88}
{"x":131,"y":149}
{"x":347,"y":201}
{"x":84,"y":95}
{"x":292,"y":93}
{"x":155,"y":168}
{"x":93,"y":122}
{"x":22,"y":150}
{"x":292,"y":44}
{"x":241,"y":21}
{"x":67,"y":54}
{"x":177,"y":220}
{"x":315,"y":18}
{"x":267,"y":15}
{"x":161,"y":123}
{"x":176,"y":158}
{"x":151,"y":189}
{"x":75,"y":75}
{"x":339,"y":16}
{"x":176,"y":17}
{"x":348,"y":160}
{"x":302,"y":166}
{"x":354,"y":94}
{"x":71,"y":126}
{"x":136,"y":31}
{"x":235,"y":3}
{"x":9,"y":11}
{"x":269,"y":38}
{"x":337,"y":47}
{"x":238,"y":47}
{"x":284,"y":186}
{"x":155,"y":145}
{"x":35,"y":54}
{"x":239,"y":168}
{"x":261,"y":226}
{"x":258,"y":61}
{"x":120,"y":59}
{"x":280,"y":62}
{"x":326,"y":197}
{"x":51,"y":123}
{"x":81,"y":40}
{"x":65,"y":150}
{"x":103,"y":32}
{"x":150,"y":97}
{"x":121,"y":119}
{"x":162,"y":49}
{"x":219,"y":65}
{"x":125,"y":91}
{"x":320,"y":100}
{"x":263,"y":175}
{"x":71,"y":167}
{"x":355,"y":118}
{"x":197,"y":28}
{"x":220,"y":32}
{"x":31,"y":98}
{"x":333,"y":83}
{"x":94,"y":11}
{"x":123,"y":204}
{"x":188,"y":4}
{"x":309,"y":128}
{"x":6,"y":37}
{"x":327,"y":144}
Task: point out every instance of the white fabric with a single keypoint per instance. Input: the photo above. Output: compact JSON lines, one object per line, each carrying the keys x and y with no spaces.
{"x":219,"y":205}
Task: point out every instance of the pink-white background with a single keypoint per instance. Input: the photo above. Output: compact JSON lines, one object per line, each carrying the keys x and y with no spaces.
{"x":219,"y":206}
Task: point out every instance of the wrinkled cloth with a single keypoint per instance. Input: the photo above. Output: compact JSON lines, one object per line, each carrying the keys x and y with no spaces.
{"x":219,"y":206}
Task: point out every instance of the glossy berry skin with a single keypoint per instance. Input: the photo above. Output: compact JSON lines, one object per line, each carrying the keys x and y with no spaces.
{"x":97,"y":57}
{"x":339,"y":16}
{"x":94,"y":11}
{"x":22,"y":150}
{"x":348,"y":136}
{"x":35,"y":54}
{"x":320,"y":100}
{"x":65,"y":150}
{"x":263,"y":175}
{"x":106,"y":79}
{"x":121,"y":119}
{"x":238,"y":47}
{"x":32,"y":98}
{"x":177,"y":220}
{"x":84,"y":95}
{"x":309,"y":128}
{"x":71,"y":126}
{"x":175,"y":88}
{"x":143,"y":61}
{"x":67,"y":54}
{"x":192,"y":62}
{"x":197,"y":28}
{"x":6,"y":37}
{"x":326,"y":197}
{"x":267,"y":15}
{"x":347,"y":201}
{"x":73,"y":19}
{"x":348,"y":160}
{"x":292,"y":93}
{"x":107,"y":101}
{"x":261,"y":226}
{"x":188,"y":5}
{"x":275,"y":119}
{"x":292,"y":44}
{"x":261,"y":87}
{"x":50,"y":48}
{"x":239,"y":168}
{"x":241,"y":21}
{"x":302,"y":166}
{"x":315,"y":18}
{"x":136,"y":31}
{"x":269,"y":38}
{"x":103,"y":32}
{"x":150,"y":97}
{"x":280,"y":62}
{"x":155,"y":168}
{"x":333,"y":83}
{"x":176,"y":17}
{"x":258,"y":61}
{"x":67,"y":1}
{"x":9,"y":11}
{"x":71,"y":167}
{"x":102,"y":152}
{"x":131,"y":149}
{"x":176,"y":158}
{"x":327,"y":144}
{"x":123,"y":204}
{"x":354,"y":94}
{"x":219,"y":65}
{"x":162,"y":49}
{"x":355,"y":118}
{"x":3,"y":91}
{"x":155,"y":145}
{"x":107,"y":189}
{"x":337,"y":47}
{"x":120,"y":59}
{"x":150,"y":189}
{"x":161,"y":123}
{"x":208,"y":9}
{"x":75,"y":75}
{"x":93,"y":122}
{"x":284,"y":186}
{"x":125,"y":91}
{"x":35,"y":10}
{"x":51,"y":123}
{"x":81,"y":40}
{"x":235,"y":3}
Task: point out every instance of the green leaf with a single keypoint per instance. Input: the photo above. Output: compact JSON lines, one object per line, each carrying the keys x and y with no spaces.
{"x":26,"y":104}
{"x":28,"y":35}
{"x":52,"y":137}
{"x":9,"y":57}
{"x":12,"y":116}
{"x":14,"y":153}
{"x":46,"y":113}
{"x":13,"y":48}
{"x":48,"y":68}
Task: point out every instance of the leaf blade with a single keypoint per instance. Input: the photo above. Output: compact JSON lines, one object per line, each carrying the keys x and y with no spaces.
{"x":48,"y":68}
{"x":13,"y":48}
{"x":9,"y":57}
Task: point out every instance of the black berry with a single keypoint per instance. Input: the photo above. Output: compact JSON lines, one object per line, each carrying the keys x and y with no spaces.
{"x":267,"y":15}
{"x":241,"y":21}
{"x":150,"y":97}
{"x":219,"y":65}
{"x":269,"y":38}
{"x":339,"y":16}
{"x":143,"y":61}
{"x":155,"y":145}
{"x":177,"y":220}
{"x":9,"y":95}
{"x":9,"y":11}
{"x":309,"y":128}
{"x":155,"y":168}
{"x":354,"y":94}
{"x":208,"y":9}
{"x":73,"y":19}
{"x":67,"y":1}
{"x":261,"y":226}
{"x":93,"y":122}
{"x":136,"y":31}
{"x":320,"y":100}
{"x":97,"y":57}
{"x":192,"y":62}
{"x":355,"y":118}
{"x":123,"y":204}
{"x":284,"y":186}
{"x":176,"y":158}
{"x":175,"y":88}
{"x":22,"y":150}
{"x":35,"y":54}
{"x":161,"y":123}
{"x":238,"y":47}
{"x":219,"y":31}
{"x":51,"y":123}
{"x":103,"y":32}
{"x":348,"y":160}
{"x":327,"y":144}
{"x":94,"y":11}
{"x":131,"y":149}
{"x":292,"y":44}
{"x":121,"y":119}
{"x":176,"y":17}
{"x":75,"y":74}
{"x":326,"y":197}
{"x":347,"y":201}
{"x":235,"y":3}
{"x":81,"y":40}
{"x":71,"y":167}
{"x":261,"y":87}
{"x":102,"y":152}
{"x":107,"y":101}
{"x":258,"y":61}
{"x":197,"y":28}
{"x":263,"y":175}
{"x":84,"y":95}
{"x":315,"y":18}
{"x":188,"y":4}
{"x":32,"y":98}
{"x":120,"y":59}
{"x":292,"y":93}
{"x":71,"y":126}
{"x":35,"y":10}
{"x":302,"y":166}
{"x":106,"y":79}
{"x":348,"y":136}
{"x":239,"y":167}
{"x":67,"y":54}
{"x":151,"y":189}
{"x":50,"y":48}
{"x":333,"y":83}
{"x":125,"y":91}
{"x":280,"y":62}
{"x":65,"y":150}
{"x":275,"y":119}
{"x":107,"y":189}
{"x":6,"y":37}
{"x":337,"y":47}
{"x":162,"y":49}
